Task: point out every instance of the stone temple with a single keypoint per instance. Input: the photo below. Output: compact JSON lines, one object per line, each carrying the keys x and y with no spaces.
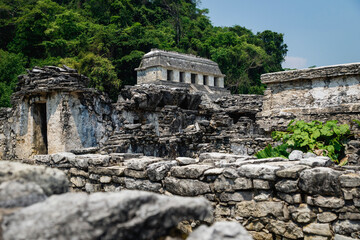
{"x":177,"y":132}
{"x":159,"y":65}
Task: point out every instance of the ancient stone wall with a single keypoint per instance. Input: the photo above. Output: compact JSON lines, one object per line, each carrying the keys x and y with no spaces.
{"x":322,"y":93}
{"x":273,"y":198}
{"x":54,"y":111}
{"x":160,"y":120}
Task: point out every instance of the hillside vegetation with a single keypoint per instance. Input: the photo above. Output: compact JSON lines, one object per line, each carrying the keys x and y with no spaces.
{"x":105,"y":40}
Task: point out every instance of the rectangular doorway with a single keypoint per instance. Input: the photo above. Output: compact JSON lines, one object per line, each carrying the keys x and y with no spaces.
{"x":40,"y":128}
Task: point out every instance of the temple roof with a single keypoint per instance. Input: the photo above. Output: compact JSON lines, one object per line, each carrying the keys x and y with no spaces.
{"x":179,"y":61}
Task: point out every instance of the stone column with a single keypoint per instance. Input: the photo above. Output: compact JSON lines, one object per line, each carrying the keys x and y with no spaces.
{"x":221,"y":82}
{"x":176,"y":76}
{"x":211,"y":81}
{"x":187,"y":77}
{"x":199,"y":79}
{"x":162,"y":74}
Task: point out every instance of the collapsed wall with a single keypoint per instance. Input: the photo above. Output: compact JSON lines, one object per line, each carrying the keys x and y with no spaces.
{"x":274,"y":198}
{"x":165,"y":121}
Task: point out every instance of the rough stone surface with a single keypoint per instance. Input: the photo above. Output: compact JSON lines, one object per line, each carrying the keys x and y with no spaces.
{"x":220,"y":230}
{"x":186,"y":187}
{"x":322,"y":229}
{"x":20,"y":194}
{"x":320,"y":181}
{"x":296,"y":155}
{"x":51,"y":181}
{"x":104,"y":215}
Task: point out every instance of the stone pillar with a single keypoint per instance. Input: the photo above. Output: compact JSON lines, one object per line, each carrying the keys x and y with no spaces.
{"x":221,"y":82}
{"x":162,"y":74}
{"x":211,"y":81}
{"x":187,"y":77}
{"x":176,"y":76}
{"x":199,"y":79}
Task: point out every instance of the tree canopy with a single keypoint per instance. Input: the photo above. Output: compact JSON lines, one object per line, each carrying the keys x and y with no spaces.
{"x":105,"y":40}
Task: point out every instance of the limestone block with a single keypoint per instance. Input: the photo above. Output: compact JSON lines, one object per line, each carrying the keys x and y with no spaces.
{"x":242,"y":184}
{"x":62,"y":157}
{"x":186,"y":187}
{"x":287,"y":186}
{"x":116,"y":215}
{"x":317,"y":161}
{"x":296,"y":155}
{"x":20,"y":194}
{"x":236,"y":196}
{"x":140,"y":163}
{"x":78,"y":172}
{"x":349,"y":216}
{"x":230,"y":173}
{"x":346,"y":227}
{"x":302,"y":214}
{"x":189,"y":171}
{"x":220,"y":230}
{"x":320,"y":180}
{"x":259,"y":209}
{"x":290,"y":198}
{"x":322,"y":229}
{"x":90,"y":187}
{"x":144,"y":185}
{"x":223,"y":184}
{"x":78,"y":181}
{"x":263,"y":196}
{"x":291,"y":172}
{"x":105,"y":179}
{"x":186,"y":161}
{"x":214,"y":171}
{"x":135,"y":174}
{"x":326,"y":217}
{"x":261,"y":184}
{"x":159,"y":170}
{"x":350,"y":180}
{"x":285,"y":229}
{"x":42,"y":158}
{"x":342,"y":237}
{"x":111,"y":171}
{"x":261,"y":235}
{"x":327,"y":202}
{"x":260,"y":171}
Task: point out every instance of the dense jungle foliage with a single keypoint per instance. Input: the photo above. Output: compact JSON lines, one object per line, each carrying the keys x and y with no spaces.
{"x":105,"y":40}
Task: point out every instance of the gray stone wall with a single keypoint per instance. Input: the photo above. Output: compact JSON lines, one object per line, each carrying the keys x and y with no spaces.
{"x":160,"y":120}
{"x":311,"y":94}
{"x":273,"y":198}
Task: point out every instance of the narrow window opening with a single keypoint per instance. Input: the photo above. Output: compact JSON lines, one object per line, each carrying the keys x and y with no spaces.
{"x":206,"y":80}
{"x":40,"y":128}
{"x":170,"y":75}
{"x":193,"y":78}
{"x":182,"y":77}
{"x":216,"y":81}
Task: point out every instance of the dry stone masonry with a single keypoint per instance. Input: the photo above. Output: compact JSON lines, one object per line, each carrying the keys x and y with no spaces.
{"x":178,"y":132}
{"x":292,"y":199}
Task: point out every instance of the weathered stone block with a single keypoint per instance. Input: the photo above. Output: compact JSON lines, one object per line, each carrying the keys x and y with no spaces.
{"x":285,"y":229}
{"x":144,"y":185}
{"x":78,"y":181}
{"x":186,"y":161}
{"x":291,"y":172}
{"x":135,"y":174}
{"x":189,"y":171}
{"x":236,"y":196}
{"x":140,"y":163}
{"x":302,"y":214}
{"x":326,"y":202}
{"x":296,"y":155}
{"x":287,"y":186}
{"x":326,"y":217}
{"x":350,"y":180}
{"x":260,"y":171}
{"x":111,"y":171}
{"x":78,"y":172}
{"x":242,"y":184}
{"x":260,"y":209}
{"x":320,"y":180}
{"x":186,"y":187}
{"x":159,"y":170}
{"x":322,"y":229}
{"x":261,"y":184}
{"x":105,"y":179}
{"x":346,"y":227}
{"x":317,"y":161}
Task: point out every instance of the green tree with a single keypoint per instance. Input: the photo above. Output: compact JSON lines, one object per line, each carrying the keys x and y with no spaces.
{"x":11,"y":65}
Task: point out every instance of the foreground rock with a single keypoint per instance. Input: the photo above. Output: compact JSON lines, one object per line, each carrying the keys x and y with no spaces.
{"x":220,"y":230}
{"x":122,"y":215}
{"x":51,"y":181}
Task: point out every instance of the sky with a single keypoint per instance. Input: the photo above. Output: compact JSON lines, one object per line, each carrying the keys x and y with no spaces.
{"x":317,"y":32}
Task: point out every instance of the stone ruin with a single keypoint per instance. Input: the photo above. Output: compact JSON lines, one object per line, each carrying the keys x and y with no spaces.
{"x":176,"y":138}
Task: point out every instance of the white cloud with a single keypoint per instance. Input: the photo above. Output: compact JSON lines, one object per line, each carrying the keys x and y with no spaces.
{"x":294,"y":62}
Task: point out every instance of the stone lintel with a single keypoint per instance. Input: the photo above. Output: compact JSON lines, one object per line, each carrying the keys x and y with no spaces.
{"x":312,"y":73}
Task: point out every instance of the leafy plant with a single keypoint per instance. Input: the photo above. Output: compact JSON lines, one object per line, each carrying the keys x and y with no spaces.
{"x":269,"y":151}
{"x":317,"y":137}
